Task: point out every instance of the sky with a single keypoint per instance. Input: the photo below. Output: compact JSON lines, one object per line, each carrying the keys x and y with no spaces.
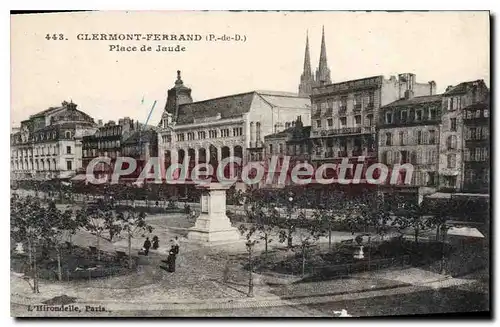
{"x":447,"y":47}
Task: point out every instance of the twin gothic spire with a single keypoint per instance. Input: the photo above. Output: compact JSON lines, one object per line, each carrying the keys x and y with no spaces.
{"x":307,"y":79}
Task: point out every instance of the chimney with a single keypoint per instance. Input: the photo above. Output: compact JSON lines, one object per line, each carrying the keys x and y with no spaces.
{"x":99,"y":122}
{"x":408,"y":94}
{"x":432,"y":88}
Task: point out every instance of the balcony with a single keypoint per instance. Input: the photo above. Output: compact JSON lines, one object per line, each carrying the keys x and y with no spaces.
{"x":342,"y":154}
{"x":357,"y":153}
{"x":357,"y":107}
{"x":476,"y":142}
{"x":369,"y":106}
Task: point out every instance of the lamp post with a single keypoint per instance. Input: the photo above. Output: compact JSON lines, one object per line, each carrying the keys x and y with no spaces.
{"x":250,"y":244}
{"x":443,"y":258}
{"x":290,"y":226}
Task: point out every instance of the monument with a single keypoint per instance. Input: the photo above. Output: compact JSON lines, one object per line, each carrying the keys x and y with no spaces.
{"x":212,"y":226}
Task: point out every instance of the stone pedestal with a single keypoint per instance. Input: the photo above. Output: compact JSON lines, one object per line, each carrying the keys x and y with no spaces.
{"x":360,"y":254}
{"x":213,"y":226}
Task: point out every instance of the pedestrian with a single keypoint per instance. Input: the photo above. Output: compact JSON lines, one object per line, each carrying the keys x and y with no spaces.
{"x":156,"y":242}
{"x":172,"y":255}
{"x":146,"y":246}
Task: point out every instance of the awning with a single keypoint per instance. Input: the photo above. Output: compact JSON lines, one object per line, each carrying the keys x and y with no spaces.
{"x":465,"y":232}
{"x":81,"y":177}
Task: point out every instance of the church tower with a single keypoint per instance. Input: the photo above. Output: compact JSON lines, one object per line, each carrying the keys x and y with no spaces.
{"x":307,"y":78}
{"x":177,"y":95}
{"x":323,"y":72}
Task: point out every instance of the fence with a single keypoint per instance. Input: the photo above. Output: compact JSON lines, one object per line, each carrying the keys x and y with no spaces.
{"x":346,"y":270}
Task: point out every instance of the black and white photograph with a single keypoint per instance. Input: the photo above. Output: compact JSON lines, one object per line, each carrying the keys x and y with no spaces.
{"x":331,"y":164}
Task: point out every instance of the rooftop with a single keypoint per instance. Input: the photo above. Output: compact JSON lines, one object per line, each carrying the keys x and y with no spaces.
{"x":415,"y":100}
{"x":232,"y":106}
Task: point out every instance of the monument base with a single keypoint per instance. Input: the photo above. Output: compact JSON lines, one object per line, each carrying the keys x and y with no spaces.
{"x":213,"y":227}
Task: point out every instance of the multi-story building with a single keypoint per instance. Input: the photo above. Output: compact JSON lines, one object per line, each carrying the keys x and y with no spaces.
{"x":293,"y":142}
{"x":408,"y":132}
{"x":106,"y":142}
{"x":231,"y":126}
{"x":464,"y":137}
{"x":344,"y":115}
{"x":142,"y":145}
{"x":49,"y":143}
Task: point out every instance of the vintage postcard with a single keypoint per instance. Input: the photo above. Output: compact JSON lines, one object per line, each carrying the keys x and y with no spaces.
{"x":250,"y":164}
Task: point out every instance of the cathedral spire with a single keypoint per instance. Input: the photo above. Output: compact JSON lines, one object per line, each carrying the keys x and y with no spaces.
{"x":307,"y":78}
{"x":323,"y":72}
{"x":307,"y":58}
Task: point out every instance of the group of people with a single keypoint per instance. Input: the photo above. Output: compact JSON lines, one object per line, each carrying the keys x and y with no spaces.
{"x":172,"y":254}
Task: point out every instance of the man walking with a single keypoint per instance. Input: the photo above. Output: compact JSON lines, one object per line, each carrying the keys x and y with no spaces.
{"x":146,"y":246}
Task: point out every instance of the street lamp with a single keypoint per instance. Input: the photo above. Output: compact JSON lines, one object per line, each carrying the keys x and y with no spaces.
{"x":250,"y":244}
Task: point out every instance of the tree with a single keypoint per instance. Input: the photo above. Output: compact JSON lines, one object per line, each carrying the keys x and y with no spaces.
{"x":409,"y":214}
{"x":377,"y":216}
{"x":328,"y":211}
{"x":308,"y":235}
{"x":287,"y":223}
{"x":133,"y":223}
{"x":257,"y":214}
{"x":249,"y":234}
{"x":95,"y":219}
{"x":28,"y":222}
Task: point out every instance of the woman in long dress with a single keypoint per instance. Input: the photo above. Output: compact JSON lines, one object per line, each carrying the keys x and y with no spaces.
{"x":172,"y":255}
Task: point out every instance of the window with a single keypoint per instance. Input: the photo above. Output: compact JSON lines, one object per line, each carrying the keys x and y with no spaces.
{"x":371,"y":98}
{"x":280,"y":148}
{"x":343,"y":103}
{"x":388,"y":139}
{"x":68,"y":149}
{"x":472,"y":133}
{"x":318,"y":123}
{"x":369,"y":120}
{"x":343,"y":121}
{"x":451,"y":142}
{"x":401,"y":138}
{"x":452,"y":161}
{"x":419,"y":137}
{"x":69,"y":165}
{"x":388,"y":117}
{"x":432,"y":137}
{"x":237,"y":131}
{"x":224,"y":132}
{"x":67,"y":134}
{"x":329,"y":122}
{"x":180,"y":137}
{"x":357,"y":101}
{"x":357,"y":120}
{"x":270,"y":148}
{"x":212,"y":133}
{"x":190,"y":136}
{"x":404,"y":116}
{"x":432,"y":114}
{"x":486,"y":113}
{"x":418,"y":115}
{"x":453,"y":124}
{"x":202,"y":135}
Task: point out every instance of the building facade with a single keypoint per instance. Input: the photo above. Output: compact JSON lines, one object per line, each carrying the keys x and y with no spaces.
{"x":232,"y":126}
{"x":107,"y":141}
{"x":48,"y":145}
{"x":344,"y":115}
{"x":409,"y":133}
{"x":464,"y":141}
